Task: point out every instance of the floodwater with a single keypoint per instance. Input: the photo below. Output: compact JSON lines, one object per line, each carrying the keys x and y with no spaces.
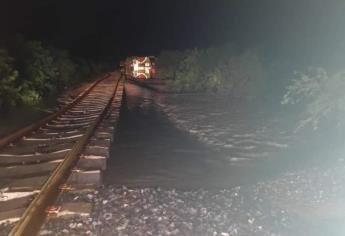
{"x":166,"y":140}
{"x":169,"y":141}
{"x":150,"y":151}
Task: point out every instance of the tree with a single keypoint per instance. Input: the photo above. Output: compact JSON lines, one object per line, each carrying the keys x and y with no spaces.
{"x":9,"y":92}
{"x":321,"y":94}
{"x":39,"y":71}
{"x":66,"y":68}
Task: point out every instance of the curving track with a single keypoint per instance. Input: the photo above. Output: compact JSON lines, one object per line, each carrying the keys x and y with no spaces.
{"x":69,"y":148}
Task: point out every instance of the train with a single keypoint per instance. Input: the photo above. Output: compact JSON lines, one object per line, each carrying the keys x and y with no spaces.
{"x":139,"y":67}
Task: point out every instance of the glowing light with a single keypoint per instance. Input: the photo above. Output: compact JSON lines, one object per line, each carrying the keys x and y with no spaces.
{"x":142,"y":68}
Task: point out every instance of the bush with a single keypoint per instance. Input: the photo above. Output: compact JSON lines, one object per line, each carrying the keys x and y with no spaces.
{"x":12,"y":90}
{"x":88,"y":69}
{"x":321,"y":94}
{"x":167,"y":64}
{"x":66,"y":69}
{"x":9,"y":92}
{"x":219,"y":70}
{"x":39,"y":71}
{"x":238,"y":76}
{"x":188,"y":76}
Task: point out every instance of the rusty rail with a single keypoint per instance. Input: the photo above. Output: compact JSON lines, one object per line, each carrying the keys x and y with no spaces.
{"x":28,"y":129}
{"x":34,"y":215}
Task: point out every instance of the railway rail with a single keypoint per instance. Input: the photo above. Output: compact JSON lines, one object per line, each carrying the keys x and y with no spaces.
{"x":67,"y":149}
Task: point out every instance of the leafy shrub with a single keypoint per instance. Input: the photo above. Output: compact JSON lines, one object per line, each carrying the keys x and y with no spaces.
{"x":39,"y":70}
{"x":29,"y":96}
{"x":9,"y":92}
{"x":96,"y":68}
{"x":188,"y":76}
{"x":321,"y":94}
{"x":167,"y":63}
{"x":216,"y":70}
{"x":66,"y":69}
{"x":12,"y":90}
{"x":88,"y":69}
{"x":239,"y":76}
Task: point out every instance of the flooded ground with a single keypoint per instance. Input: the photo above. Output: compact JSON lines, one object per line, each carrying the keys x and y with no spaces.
{"x":190,"y":140}
{"x":152,"y":150}
{"x":255,"y":134}
{"x":188,"y":165}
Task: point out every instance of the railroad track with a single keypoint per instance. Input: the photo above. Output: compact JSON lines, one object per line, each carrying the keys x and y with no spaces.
{"x":65,"y":150}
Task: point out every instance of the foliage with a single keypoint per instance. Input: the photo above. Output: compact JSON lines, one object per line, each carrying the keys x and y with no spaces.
{"x":39,"y":70}
{"x":322,"y":95}
{"x":88,"y":69}
{"x":221,"y":70}
{"x":66,"y":69}
{"x":13,"y":91}
{"x":167,"y":63}
{"x":9,"y":92}
{"x":189,"y":72}
{"x":239,"y":76}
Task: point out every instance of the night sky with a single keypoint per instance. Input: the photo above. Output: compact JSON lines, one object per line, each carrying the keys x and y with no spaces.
{"x":304,"y":29}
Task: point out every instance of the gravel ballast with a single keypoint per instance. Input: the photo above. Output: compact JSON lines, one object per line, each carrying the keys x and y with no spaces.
{"x":309,"y":202}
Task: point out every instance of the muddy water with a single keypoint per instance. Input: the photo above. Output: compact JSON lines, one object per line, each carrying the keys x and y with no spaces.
{"x":150,"y":151}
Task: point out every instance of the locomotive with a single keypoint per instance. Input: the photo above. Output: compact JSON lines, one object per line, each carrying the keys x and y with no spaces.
{"x":141,"y":68}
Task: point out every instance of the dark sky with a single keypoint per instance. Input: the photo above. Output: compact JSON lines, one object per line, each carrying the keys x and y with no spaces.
{"x":110,"y":27}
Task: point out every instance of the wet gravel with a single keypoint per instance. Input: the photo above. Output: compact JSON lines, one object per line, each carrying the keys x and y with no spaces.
{"x":309,"y":202}
{"x":294,"y":204}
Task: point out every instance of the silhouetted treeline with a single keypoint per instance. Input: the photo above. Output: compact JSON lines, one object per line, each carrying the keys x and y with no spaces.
{"x":31,"y":71}
{"x":315,"y":95}
{"x":218,"y":69}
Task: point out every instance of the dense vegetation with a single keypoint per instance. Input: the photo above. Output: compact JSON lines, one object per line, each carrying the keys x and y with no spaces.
{"x":9,"y":90}
{"x":31,"y":71}
{"x":321,"y":96}
{"x":315,"y":96}
{"x":220,"y":70}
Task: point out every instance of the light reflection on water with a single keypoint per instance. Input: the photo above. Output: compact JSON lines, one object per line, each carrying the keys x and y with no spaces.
{"x":156,"y":147}
{"x":151,"y":151}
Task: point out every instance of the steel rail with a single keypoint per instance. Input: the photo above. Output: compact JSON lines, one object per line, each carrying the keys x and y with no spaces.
{"x":34,"y":215}
{"x":30,"y":128}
